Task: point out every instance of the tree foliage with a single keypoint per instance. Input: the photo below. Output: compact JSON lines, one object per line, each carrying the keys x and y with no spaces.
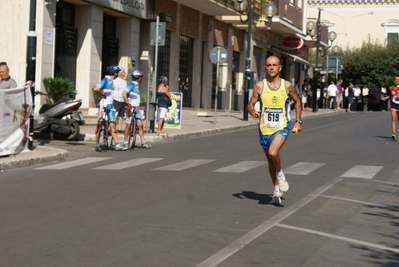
{"x":371,"y":65}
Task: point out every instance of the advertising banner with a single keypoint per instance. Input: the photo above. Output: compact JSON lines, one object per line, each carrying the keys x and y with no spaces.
{"x":174,"y":113}
{"x":15,"y":108}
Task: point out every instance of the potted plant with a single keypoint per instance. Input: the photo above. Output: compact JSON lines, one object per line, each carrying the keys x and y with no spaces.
{"x":57,"y":88}
{"x":143,"y":103}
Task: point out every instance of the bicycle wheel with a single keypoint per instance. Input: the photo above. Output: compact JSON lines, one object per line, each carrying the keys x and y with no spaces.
{"x":105,"y":135}
{"x":132,"y":135}
{"x":111,"y":143}
{"x":100,"y":135}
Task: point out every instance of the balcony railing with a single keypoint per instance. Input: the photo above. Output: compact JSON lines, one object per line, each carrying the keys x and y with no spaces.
{"x":285,"y":10}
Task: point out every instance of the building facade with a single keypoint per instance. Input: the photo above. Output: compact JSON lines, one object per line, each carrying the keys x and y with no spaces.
{"x":357,"y":21}
{"x":77,"y":39}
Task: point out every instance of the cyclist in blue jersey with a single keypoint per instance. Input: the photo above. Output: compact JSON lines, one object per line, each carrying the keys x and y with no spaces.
{"x":105,"y":89}
{"x":131,"y":96}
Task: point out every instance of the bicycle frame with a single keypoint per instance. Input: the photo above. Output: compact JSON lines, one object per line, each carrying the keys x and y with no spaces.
{"x":133,"y":131}
{"x":104,"y":136}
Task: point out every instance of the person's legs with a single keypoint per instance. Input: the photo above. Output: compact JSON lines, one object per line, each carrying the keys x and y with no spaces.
{"x":393,"y":122}
{"x":273,"y":156}
{"x":275,"y":171}
{"x":162,"y":114}
{"x":120,"y":120}
{"x":126,"y":132}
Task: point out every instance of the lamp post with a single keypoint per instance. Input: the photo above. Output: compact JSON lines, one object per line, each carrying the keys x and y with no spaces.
{"x":313,"y":29}
{"x":245,"y":6}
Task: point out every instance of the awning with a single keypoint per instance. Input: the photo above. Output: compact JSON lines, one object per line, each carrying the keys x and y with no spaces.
{"x":298,"y":59}
{"x":294,"y":57}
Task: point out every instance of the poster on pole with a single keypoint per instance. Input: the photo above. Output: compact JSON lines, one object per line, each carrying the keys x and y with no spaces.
{"x":174,"y":113}
{"x":16,"y":105}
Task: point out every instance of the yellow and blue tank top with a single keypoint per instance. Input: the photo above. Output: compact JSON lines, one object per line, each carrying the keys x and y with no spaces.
{"x":275,"y":109}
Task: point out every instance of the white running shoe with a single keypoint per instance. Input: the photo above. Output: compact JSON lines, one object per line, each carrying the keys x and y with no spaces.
{"x":276,"y":199}
{"x":125,"y":146}
{"x":282,"y":182}
{"x":118,"y":147}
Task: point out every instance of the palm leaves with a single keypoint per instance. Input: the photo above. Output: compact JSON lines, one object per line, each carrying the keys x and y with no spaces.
{"x":57,"y":88}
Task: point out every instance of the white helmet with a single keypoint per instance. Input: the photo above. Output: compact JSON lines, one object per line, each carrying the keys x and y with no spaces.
{"x":137,"y":74}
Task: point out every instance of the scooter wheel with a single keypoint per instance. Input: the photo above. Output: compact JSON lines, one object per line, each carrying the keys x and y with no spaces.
{"x":75,"y":131}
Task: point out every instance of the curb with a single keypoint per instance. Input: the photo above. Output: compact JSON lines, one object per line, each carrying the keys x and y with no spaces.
{"x":27,"y":158}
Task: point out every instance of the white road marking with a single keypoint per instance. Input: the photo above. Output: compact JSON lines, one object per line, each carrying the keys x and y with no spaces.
{"x":184,"y":165}
{"x":73,"y":163}
{"x":128,"y":164}
{"x":241,"y":166}
{"x":355,"y":201}
{"x":303,"y":168}
{"x":395,"y":176}
{"x":362,"y":171}
{"x":234,"y":247}
{"x":350,"y":240}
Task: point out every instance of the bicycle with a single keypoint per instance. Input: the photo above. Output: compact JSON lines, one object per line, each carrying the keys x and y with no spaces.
{"x":104,"y":138}
{"x":133,"y":129}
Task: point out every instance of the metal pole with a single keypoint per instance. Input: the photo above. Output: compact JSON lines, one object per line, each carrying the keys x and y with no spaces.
{"x":327,"y":79}
{"x":154,"y":83}
{"x":31,"y":65}
{"x":146,"y":130}
{"x":217,"y":85}
{"x":156,"y":57}
{"x":248,"y":76}
{"x":315,"y":77}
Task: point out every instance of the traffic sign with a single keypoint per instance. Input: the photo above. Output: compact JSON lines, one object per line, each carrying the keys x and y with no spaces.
{"x":218,"y":54}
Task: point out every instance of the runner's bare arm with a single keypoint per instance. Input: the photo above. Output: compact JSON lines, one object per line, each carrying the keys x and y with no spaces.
{"x":255,"y":97}
{"x":298,"y":105}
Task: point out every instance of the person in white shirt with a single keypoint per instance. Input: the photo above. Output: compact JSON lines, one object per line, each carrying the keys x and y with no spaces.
{"x":332,"y":91}
{"x":119,"y":104}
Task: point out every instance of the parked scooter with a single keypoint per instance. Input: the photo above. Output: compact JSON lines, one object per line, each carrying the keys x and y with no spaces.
{"x":62,"y":118}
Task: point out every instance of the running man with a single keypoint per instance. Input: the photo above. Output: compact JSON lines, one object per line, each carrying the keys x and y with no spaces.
{"x":394,"y":97}
{"x":275,"y":94}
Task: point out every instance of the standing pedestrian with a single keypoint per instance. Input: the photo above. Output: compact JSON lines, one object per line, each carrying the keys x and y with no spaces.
{"x":339,"y":98}
{"x":274,"y":117}
{"x":163,"y":97}
{"x":394,"y":97}
{"x":6,"y":82}
{"x":351,"y":96}
{"x":332,"y":91}
{"x":119,"y":103}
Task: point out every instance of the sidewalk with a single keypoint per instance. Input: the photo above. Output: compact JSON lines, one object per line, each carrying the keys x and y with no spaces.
{"x":193,"y":124}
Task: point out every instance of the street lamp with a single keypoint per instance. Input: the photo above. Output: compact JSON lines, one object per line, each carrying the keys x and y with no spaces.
{"x":313,"y":29}
{"x":245,"y":6}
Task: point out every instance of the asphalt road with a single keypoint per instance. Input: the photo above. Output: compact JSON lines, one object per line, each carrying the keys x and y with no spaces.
{"x":205,"y":202}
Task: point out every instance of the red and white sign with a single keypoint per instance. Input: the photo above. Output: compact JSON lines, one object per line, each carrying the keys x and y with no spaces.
{"x":292,"y":42}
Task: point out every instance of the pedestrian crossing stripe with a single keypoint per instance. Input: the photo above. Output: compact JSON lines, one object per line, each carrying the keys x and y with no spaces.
{"x":362,"y":171}
{"x":300,"y":168}
{"x":303,"y":168}
{"x":128,"y":164}
{"x":242,"y":166}
{"x":73,"y":163}
{"x":184,"y":165}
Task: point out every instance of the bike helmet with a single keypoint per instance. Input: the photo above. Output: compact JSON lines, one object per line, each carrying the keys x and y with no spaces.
{"x":137,"y":74}
{"x":112,"y":69}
